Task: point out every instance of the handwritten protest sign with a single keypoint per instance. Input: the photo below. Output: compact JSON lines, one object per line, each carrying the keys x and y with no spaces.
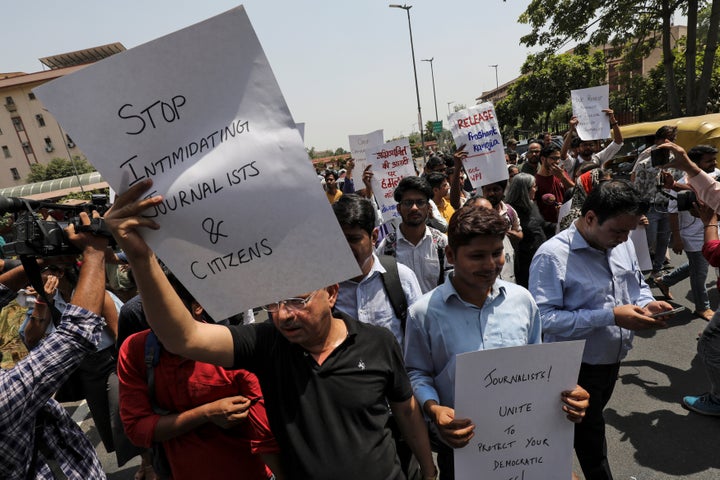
{"x":639,"y":239}
{"x":390,"y":162}
{"x":359,"y":145}
{"x":244,"y":220}
{"x":587,"y":106}
{"x":477,"y":127}
{"x":513,"y":396}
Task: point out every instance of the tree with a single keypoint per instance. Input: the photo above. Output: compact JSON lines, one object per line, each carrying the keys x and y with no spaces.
{"x":58,"y":168}
{"x":633,"y":27}
{"x":545,"y":85}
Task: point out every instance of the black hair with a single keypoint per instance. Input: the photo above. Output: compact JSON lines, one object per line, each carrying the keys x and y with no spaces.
{"x":547,"y":151}
{"x":435,"y":179}
{"x":612,"y":198}
{"x":665,"y":132}
{"x":413,"y":183}
{"x":697,"y":152}
{"x":469,"y":222}
{"x":501,"y":183}
{"x":435,"y":161}
{"x":352,"y":210}
{"x":330,"y":172}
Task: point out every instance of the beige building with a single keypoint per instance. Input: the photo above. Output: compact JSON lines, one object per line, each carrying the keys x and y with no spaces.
{"x":28,"y":133}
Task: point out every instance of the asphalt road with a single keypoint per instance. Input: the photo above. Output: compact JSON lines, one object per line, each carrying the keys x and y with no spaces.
{"x":650,"y":435}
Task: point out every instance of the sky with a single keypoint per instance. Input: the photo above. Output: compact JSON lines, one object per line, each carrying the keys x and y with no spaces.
{"x":344,"y":67}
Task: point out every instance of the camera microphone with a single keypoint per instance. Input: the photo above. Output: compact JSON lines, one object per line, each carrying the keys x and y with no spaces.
{"x":15,"y":204}
{"x":549,"y":199}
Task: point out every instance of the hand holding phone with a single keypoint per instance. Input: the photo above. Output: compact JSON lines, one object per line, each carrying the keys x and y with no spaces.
{"x":667,"y":312}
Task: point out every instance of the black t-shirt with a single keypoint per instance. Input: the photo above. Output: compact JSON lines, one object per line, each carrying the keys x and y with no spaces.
{"x":329,"y":419}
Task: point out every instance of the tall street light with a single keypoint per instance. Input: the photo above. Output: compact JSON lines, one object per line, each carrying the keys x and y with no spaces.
{"x":432,"y":72}
{"x":448,"y":104}
{"x":417,"y":90}
{"x":497,"y":85}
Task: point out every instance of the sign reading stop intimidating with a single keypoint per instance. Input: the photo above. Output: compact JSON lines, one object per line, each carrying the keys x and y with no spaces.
{"x":478,"y":129}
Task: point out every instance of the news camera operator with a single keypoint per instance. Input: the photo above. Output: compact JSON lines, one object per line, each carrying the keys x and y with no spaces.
{"x":38,"y":437}
{"x":707,"y":190}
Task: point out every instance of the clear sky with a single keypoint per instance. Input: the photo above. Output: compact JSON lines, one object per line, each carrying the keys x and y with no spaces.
{"x":344,"y":66}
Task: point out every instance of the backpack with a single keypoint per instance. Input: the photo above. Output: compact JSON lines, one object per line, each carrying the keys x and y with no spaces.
{"x":438,"y":239}
{"x":152,"y":357}
{"x":393,"y":287}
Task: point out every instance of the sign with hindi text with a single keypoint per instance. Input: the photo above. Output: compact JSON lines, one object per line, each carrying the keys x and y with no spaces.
{"x":477,"y":127}
{"x":390,"y":162}
{"x":244,"y":220}
{"x":587,"y":106}
{"x":512,"y":395}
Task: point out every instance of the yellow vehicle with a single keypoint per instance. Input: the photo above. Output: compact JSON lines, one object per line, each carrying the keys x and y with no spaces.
{"x":700,"y":130}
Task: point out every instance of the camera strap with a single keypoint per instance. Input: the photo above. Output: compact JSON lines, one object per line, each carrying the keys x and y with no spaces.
{"x":32,"y":269}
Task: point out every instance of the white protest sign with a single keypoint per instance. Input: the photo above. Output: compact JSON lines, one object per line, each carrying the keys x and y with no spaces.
{"x":642,"y":251}
{"x":390,"y":162}
{"x":301,"y":129}
{"x":477,"y":127}
{"x":587,"y":106}
{"x":244,"y":220}
{"x":512,"y":395}
{"x":562,"y":213}
{"x":359,"y":145}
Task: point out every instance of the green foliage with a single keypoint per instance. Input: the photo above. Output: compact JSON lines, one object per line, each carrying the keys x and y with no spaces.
{"x":58,"y":168}
{"x":545,"y":86}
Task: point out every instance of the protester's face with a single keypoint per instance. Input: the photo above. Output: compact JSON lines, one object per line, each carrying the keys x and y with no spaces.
{"x":547,"y":140}
{"x":532,"y":191}
{"x":533,"y":155}
{"x":478,"y":263}
{"x":330,"y":182}
{"x":444,"y":189}
{"x":586,"y":149}
{"x":512,"y":172}
{"x":552,"y":161}
{"x":612,"y":232}
{"x":361,"y":243}
{"x":309,"y":325}
{"x":413,"y":208}
{"x":707,"y":162}
{"x":494,"y":193}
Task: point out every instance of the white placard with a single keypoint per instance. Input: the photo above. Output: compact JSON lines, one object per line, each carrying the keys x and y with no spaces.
{"x":301,"y":129}
{"x":477,"y":127}
{"x":642,"y":251}
{"x":587,"y":106}
{"x":562,"y":213}
{"x":244,"y":220}
{"x":512,"y":395}
{"x":359,"y":145}
{"x":391,"y":162}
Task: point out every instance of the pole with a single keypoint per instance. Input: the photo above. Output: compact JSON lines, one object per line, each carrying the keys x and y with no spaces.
{"x":497,"y":84}
{"x":417,"y":89}
{"x":432,"y":73}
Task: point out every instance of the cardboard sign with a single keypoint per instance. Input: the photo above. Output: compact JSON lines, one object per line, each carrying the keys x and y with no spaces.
{"x":477,"y":127}
{"x":391,"y":162}
{"x":244,"y":220}
{"x":512,"y":396}
{"x":587,"y":106}
{"x":639,"y":239}
{"x":358,"y":146}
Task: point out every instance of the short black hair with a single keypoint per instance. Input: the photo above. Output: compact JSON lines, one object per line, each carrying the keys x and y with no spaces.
{"x":412,"y":183}
{"x":469,"y":222}
{"x":547,"y":151}
{"x":435,"y":161}
{"x":697,"y":152}
{"x":330,"y":172}
{"x":612,"y":198}
{"x":435,"y":179}
{"x":500,"y":183}
{"x":666,"y":132}
{"x":352,"y":210}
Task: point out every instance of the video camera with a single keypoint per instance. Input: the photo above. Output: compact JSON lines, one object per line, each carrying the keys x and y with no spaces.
{"x":36,"y":237}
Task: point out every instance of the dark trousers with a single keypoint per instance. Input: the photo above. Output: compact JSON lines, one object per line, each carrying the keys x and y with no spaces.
{"x":445,"y":456}
{"x":590,"y":444}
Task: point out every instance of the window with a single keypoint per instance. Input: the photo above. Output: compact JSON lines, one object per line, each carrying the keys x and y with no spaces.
{"x":31,"y":96}
{"x":40,"y":120}
{"x":70,"y":143}
{"x":27,"y":148}
{"x":9,"y":101}
{"x":6,"y":151}
{"x":48,"y":145}
{"x":17,"y":122}
{"x":15,"y":174}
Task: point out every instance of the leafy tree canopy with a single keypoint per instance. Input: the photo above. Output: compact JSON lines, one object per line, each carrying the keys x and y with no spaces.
{"x":58,"y":168}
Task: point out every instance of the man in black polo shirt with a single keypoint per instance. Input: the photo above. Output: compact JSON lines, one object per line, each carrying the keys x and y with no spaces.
{"x":325,"y":379}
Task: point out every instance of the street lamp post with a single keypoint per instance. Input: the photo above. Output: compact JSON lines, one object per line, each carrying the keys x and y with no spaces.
{"x":432,"y":72}
{"x":417,"y":90}
{"x":448,"y":104}
{"x":497,"y":85}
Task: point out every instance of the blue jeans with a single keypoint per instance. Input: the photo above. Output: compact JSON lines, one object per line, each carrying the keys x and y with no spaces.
{"x":658,"y":235}
{"x":697,"y":269}
{"x":709,"y":351}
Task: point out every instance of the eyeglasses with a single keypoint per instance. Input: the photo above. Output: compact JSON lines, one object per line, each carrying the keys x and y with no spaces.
{"x":534,"y":151}
{"x":420,"y":202}
{"x":293,"y":304}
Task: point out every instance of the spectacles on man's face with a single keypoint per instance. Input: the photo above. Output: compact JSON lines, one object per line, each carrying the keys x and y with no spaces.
{"x":293,"y":304}
{"x":534,"y":152}
{"x":420,"y":202}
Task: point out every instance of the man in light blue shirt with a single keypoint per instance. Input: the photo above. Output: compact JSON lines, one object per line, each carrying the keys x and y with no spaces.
{"x":365,"y":297}
{"x":472,"y":311}
{"x":588,"y":286}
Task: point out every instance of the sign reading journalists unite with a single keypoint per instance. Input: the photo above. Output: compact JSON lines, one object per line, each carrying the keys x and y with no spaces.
{"x":244,"y":220}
